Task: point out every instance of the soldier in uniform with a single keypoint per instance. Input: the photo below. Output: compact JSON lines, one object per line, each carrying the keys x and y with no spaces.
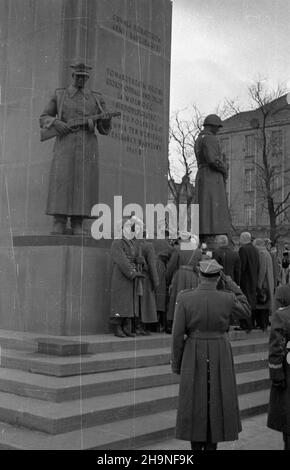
{"x":73,"y":182}
{"x":214,"y":217}
{"x":279,"y":367}
{"x":208,"y":410}
{"x":124,"y":254}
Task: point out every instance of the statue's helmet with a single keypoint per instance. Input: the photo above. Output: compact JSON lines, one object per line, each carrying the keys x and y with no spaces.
{"x":213,"y":120}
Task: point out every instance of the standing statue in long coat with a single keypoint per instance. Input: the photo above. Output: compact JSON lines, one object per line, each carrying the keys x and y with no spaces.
{"x":214,"y":216}
{"x":74,"y":175}
{"x":208,"y":410}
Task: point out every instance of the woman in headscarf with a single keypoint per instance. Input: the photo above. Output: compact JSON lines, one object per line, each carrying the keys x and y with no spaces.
{"x":265,"y":286}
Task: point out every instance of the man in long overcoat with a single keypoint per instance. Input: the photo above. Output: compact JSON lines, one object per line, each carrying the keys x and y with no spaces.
{"x":124,"y":255}
{"x":208,"y":410}
{"x":279,"y":367}
{"x":249,"y":257}
{"x":214,"y":216}
{"x":228,"y":258}
{"x":74,"y":176}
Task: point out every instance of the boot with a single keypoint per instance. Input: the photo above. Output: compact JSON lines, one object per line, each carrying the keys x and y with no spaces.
{"x":127,"y":328}
{"x":147,"y":332}
{"x":139,"y":328}
{"x":59,"y":224}
{"x":117,"y":328}
{"x":77,"y":225}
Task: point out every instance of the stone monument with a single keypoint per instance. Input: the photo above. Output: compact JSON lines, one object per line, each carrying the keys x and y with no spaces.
{"x":59,"y":284}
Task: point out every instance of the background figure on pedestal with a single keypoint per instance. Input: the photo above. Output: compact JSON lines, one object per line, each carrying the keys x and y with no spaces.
{"x":249,"y":257}
{"x":285,"y":269}
{"x":227,"y":258}
{"x":265,"y":286}
{"x":214,"y":216}
{"x":74,"y":176}
{"x":124,"y":280}
{"x":165,"y":249}
{"x":183,"y":264}
{"x":145,"y":294}
{"x":208,"y":410}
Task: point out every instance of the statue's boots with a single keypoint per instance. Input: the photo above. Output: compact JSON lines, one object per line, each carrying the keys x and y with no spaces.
{"x":127,"y":328}
{"x":59,"y":224}
{"x":77,"y":225}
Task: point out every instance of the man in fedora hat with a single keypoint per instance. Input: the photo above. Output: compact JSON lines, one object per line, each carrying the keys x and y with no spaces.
{"x":208,"y":410}
{"x":73,"y":182}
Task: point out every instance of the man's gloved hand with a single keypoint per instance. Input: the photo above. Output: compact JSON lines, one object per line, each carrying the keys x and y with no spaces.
{"x":61,"y":127}
{"x":140,"y":275}
{"x":280,"y":385}
{"x":140,"y":260}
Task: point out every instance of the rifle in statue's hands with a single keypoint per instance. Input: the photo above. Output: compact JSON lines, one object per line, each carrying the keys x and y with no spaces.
{"x":74,"y":124}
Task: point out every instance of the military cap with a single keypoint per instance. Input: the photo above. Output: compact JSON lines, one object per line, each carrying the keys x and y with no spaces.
{"x":213,"y":120}
{"x":210,"y":267}
{"x":81,"y":69}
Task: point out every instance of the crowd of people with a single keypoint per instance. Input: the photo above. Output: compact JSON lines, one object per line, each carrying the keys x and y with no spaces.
{"x":196,"y":295}
{"x":146,"y":280}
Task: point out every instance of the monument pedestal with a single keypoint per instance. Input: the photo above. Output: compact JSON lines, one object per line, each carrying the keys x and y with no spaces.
{"x":55,"y":285}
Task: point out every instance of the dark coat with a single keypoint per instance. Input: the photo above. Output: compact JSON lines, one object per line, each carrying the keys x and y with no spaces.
{"x":249,"y":257}
{"x":230,"y":261}
{"x":146,"y":308}
{"x":185,"y":275}
{"x":265,"y":279}
{"x":162,"y":259}
{"x":279,"y":367}
{"x":214,"y":216}
{"x":204,"y":315}
{"x":282,"y":296}
{"x":123,"y":253}
{"x":74,"y":175}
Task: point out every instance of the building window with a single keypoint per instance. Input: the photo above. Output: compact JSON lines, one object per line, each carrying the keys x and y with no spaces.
{"x":249,"y":214}
{"x":249,"y":146}
{"x":249,"y":179}
{"x":277,"y":144}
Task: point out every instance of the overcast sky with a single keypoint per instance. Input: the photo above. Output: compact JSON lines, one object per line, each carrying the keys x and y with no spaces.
{"x":219,"y":46}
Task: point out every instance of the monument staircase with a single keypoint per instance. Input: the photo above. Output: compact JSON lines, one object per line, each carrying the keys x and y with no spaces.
{"x":103,"y":392}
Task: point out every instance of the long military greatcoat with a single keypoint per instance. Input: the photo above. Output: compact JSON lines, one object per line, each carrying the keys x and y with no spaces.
{"x":202,"y":317}
{"x":147,"y":311}
{"x":74,"y":175}
{"x":279,"y":367}
{"x":123,"y":253}
{"x":214,"y":216}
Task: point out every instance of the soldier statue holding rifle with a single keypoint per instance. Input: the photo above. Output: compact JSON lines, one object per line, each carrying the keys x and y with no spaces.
{"x":74,"y":115}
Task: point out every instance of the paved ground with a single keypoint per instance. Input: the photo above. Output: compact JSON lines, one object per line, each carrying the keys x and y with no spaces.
{"x":255,"y":436}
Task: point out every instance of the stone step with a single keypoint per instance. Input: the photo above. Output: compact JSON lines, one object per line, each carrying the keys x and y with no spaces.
{"x":106,"y":342}
{"x":60,"y":389}
{"x":54,"y":418}
{"x":127,"y":434}
{"x":89,"y":364}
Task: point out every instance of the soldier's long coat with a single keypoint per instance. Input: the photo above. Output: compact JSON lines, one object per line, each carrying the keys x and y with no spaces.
{"x":204,"y":315}
{"x":279,"y":367}
{"x":74,"y":175}
{"x":214,"y":216}
{"x":123,"y":253}
{"x":147,"y":304}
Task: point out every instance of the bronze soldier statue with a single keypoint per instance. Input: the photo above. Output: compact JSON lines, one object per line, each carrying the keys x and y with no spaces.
{"x":74,"y":115}
{"x":214,"y":217}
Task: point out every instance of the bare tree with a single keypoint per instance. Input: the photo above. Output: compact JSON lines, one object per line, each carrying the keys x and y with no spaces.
{"x":182,"y":162}
{"x":269,"y":178}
